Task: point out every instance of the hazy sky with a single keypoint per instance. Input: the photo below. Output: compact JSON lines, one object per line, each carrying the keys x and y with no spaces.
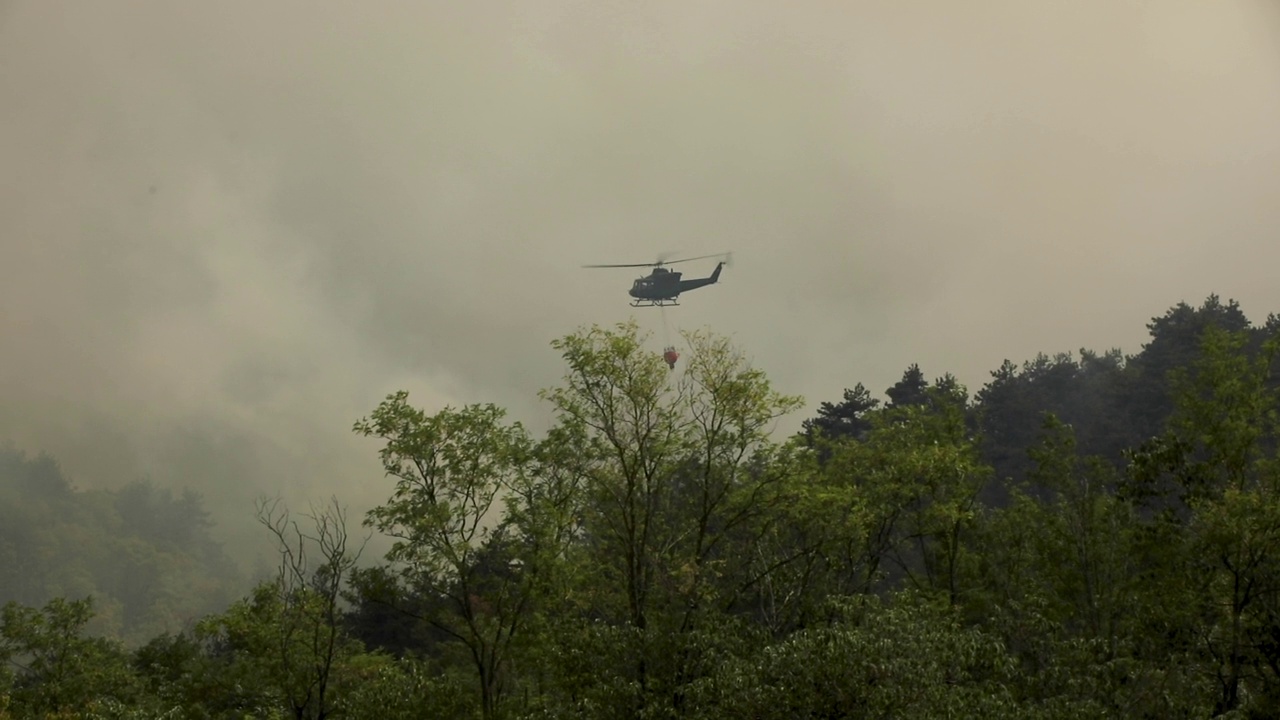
{"x":228,"y":229}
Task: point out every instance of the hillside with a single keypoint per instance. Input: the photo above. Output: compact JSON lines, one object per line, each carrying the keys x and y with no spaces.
{"x":1089,"y":534}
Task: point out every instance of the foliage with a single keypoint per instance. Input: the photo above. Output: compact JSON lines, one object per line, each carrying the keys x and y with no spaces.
{"x":146,"y":555}
{"x":908,"y":657}
{"x":1082,"y":538}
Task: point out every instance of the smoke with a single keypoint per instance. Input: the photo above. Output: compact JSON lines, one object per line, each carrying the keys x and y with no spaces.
{"x":229,"y":229}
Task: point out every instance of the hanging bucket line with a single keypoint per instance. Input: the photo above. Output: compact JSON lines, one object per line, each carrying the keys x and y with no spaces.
{"x":669,"y":353}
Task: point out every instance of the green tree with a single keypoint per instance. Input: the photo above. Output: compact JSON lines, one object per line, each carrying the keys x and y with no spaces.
{"x":905,"y":657}
{"x":452,"y":470}
{"x":284,"y":644}
{"x":1064,"y":576}
{"x":1211,"y":485}
{"x":679,"y":476}
{"x":60,"y":672}
{"x":916,"y":479}
{"x":847,"y":418}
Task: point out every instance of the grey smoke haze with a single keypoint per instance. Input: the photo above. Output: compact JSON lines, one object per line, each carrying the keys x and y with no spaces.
{"x":228,"y":229}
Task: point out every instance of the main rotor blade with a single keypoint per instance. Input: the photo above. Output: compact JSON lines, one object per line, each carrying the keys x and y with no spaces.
{"x":631,"y":265}
{"x":700,"y":257}
{"x":659,"y":263}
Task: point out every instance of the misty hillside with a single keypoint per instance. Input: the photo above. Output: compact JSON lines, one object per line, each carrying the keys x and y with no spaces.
{"x":1113,"y":401}
{"x":155,"y":562}
{"x":1087,"y":535}
{"x":148,"y":556}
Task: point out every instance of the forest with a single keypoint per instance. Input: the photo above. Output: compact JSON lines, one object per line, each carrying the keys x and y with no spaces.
{"x":1088,"y":535}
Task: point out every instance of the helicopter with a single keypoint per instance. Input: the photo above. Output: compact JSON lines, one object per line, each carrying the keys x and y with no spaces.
{"x":662,"y":287}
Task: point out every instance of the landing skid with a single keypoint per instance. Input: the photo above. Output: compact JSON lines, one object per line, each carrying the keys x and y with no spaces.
{"x":655,"y":303}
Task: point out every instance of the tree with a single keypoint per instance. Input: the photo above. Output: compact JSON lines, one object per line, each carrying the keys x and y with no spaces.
{"x":672,"y":469}
{"x":1214,"y":481}
{"x":286,"y":637}
{"x":1175,"y":343}
{"x":910,"y":390}
{"x":59,"y":670}
{"x":451,"y":543}
{"x":311,"y":641}
{"x":925,"y":474}
{"x":848,"y":418}
{"x":903,"y":657}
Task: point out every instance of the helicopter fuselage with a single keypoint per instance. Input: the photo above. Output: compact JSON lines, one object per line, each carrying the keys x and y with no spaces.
{"x":663,"y":287}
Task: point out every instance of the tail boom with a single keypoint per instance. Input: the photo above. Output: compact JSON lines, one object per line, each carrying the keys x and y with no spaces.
{"x":686,"y":285}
